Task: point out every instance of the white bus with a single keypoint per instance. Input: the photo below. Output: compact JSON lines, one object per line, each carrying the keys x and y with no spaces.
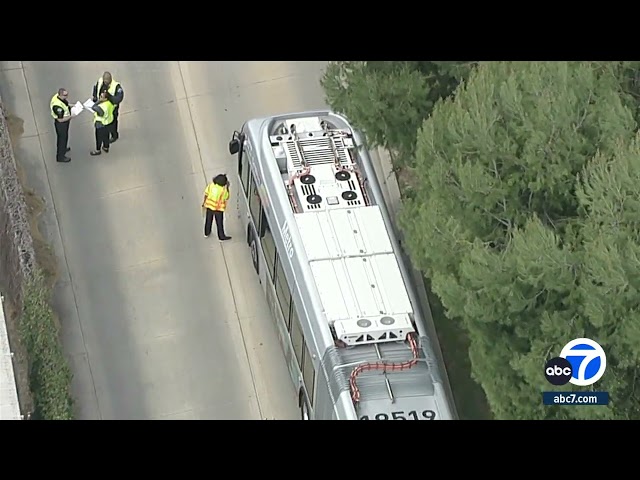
{"x":324,"y":249}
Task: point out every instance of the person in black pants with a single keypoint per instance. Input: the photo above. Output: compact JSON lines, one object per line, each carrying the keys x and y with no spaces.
{"x":102,"y":121}
{"x":216,"y":196}
{"x":115,"y":94}
{"x":61,"y":114}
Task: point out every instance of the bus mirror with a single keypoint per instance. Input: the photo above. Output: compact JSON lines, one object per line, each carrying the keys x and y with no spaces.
{"x":234,"y":146}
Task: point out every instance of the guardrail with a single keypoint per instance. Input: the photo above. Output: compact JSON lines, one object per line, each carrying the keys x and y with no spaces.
{"x":9,"y":405}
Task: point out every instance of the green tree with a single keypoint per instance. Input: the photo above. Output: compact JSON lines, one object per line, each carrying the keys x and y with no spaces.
{"x":629,"y":74}
{"x":609,"y":288}
{"x":388,"y":101}
{"x":495,"y":221}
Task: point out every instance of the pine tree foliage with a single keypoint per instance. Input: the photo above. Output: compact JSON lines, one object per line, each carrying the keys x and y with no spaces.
{"x":629,"y":74}
{"x":610,"y":286}
{"x":389,"y":100}
{"x":388,"y":104}
{"x":515,"y":183}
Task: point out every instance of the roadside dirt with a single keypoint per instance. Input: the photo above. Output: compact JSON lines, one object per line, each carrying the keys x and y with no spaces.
{"x":47,"y":262}
{"x":35,"y":205}
{"x":12,"y":315}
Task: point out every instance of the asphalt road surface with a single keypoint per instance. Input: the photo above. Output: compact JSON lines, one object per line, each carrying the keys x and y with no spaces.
{"x":158,"y":321}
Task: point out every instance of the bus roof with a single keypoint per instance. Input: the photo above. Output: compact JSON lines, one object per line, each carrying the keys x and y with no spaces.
{"x":356,"y":274}
{"x":353,"y":263}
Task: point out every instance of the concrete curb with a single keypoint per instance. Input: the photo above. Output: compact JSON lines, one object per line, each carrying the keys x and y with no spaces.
{"x":391,"y":190}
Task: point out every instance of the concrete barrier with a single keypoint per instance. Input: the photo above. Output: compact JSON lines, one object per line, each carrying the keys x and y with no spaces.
{"x":17,"y":257}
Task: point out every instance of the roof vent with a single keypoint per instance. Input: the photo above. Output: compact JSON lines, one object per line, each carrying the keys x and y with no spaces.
{"x":307,"y":179}
{"x":374,"y":329}
{"x":387,"y":321}
{"x":343,"y":176}
{"x":314,"y":199}
{"x":364,"y":323}
{"x":349,"y":195}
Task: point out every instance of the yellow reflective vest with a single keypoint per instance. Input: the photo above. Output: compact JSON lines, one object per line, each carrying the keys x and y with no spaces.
{"x":112,"y":87}
{"x":106,"y":119}
{"x":217,"y":197}
{"x":56,"y":102}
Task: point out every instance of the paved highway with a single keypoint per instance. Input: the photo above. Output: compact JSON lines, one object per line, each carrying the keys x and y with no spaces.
{"x":158,"y":321}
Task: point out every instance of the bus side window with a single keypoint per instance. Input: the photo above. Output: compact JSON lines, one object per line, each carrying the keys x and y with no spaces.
{"x":268,"y":245}
{"x":244,"y":171}
{"x":254,"y":203}
{"x":282,"y":291}
{"x":297,"y":339}
{"x":308,"y":373}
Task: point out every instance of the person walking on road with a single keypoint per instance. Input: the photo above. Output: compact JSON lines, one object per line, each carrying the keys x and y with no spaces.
{"x":102,"y":120}
{"x":61,"y":113}
{"x":216,"y":195}
{"x":115,"y":94}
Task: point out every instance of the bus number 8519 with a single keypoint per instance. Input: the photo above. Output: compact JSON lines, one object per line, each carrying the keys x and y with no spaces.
{"x":412,"y":415}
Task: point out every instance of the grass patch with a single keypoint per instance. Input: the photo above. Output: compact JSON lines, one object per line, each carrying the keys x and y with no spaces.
{"x":39,"y":329}
{"x":49,"y":373}
{"x":470,"y":399}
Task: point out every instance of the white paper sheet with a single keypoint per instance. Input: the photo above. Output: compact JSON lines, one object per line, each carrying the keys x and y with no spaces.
{"x":77,"y":108}
{"x":88,"y":104}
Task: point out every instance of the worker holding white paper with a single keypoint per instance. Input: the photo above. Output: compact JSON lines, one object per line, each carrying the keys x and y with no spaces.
{"x":62,"y":114}
{"x":102,"y":120}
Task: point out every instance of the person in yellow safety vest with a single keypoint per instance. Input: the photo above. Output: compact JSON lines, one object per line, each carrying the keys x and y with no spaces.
{"x":61,"y":113}
{"x":115,"y":94}
{"x":102,"y":120}
{"x":215,"y":200}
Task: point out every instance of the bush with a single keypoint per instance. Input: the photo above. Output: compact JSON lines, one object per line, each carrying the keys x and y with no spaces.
{"x":49,"y":373}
